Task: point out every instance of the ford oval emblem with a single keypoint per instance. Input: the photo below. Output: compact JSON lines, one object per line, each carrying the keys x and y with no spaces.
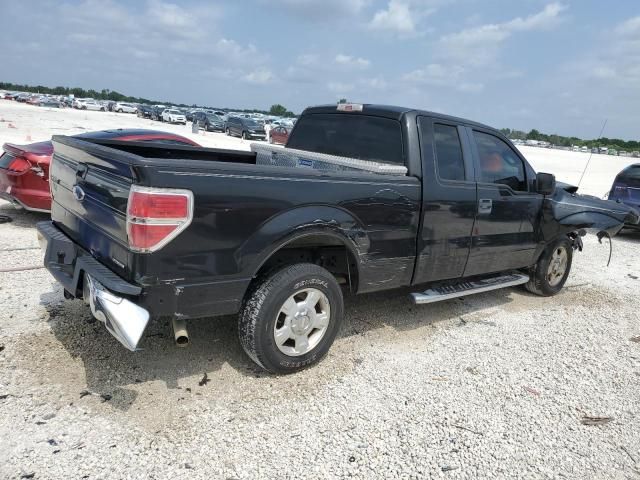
{"x":78,"y":193}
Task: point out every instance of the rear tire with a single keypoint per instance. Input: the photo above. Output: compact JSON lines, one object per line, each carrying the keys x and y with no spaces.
{"x":282,"y":309}
{"x":549,"y":275}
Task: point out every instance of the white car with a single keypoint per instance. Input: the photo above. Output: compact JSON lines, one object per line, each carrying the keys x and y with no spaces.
{"x":125,"y":108}
{"x":173,"y":116}
{"x":89,"y":104}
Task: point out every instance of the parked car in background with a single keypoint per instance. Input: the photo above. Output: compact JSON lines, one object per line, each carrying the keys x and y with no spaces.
{"x":279,"y":135}
{"x":246,"y":128}
{"x":209,"y":121}
{"x":172,"y":115}
{"x":626,"y":188}
{"x":144,"y":111}
{"x":156,"y":112}
{"x":122,"y":107}
{"x":24,"y":169}
{"x":50,"y":102}
{"x":89,"y":104}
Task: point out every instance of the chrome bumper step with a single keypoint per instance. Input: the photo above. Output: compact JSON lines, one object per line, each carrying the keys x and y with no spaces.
{"x":464,"y":288}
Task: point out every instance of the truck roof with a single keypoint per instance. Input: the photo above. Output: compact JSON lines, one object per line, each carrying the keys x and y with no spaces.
{"x":390,"y":111}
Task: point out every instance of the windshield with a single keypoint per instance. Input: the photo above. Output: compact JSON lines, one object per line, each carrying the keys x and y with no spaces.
{"x":214,"y":118}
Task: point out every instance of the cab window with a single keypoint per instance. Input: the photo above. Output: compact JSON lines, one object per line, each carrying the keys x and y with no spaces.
{"x":449,"y":158}
{"x":499,"y":164}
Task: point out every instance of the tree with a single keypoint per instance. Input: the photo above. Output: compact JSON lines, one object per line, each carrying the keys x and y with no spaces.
{"x":278,"y":110}
{"x":534,"y":135}
{"x":342,"y":100}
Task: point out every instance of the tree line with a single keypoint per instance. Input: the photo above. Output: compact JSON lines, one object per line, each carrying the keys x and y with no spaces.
{"x":560,"y":140}
{"x":106,"y":94}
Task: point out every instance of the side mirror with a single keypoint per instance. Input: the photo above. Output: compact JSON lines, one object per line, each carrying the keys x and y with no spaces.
{"x":545,"y":183}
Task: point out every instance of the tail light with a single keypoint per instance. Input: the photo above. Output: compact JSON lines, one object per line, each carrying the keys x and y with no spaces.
{"x":18,"y":165}
{"x":155,"y":216}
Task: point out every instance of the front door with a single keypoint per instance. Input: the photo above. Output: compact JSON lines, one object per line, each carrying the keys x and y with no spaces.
{"x":449,"y":201}
{"x":506,"y":227}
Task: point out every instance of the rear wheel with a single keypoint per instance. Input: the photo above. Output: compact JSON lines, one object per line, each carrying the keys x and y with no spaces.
{"x":290,"y":318}
{"x":550,"y":274}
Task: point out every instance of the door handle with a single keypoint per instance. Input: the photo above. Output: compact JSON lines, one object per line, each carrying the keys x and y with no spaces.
{"x":485,"y":205}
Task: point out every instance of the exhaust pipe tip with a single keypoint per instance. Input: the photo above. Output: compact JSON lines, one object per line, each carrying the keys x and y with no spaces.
{"x":180,"y":333}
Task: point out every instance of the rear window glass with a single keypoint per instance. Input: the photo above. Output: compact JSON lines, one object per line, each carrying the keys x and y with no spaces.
{"x":5,"y":160}
{"x":448,"y":152}
{"x":354,"y":136}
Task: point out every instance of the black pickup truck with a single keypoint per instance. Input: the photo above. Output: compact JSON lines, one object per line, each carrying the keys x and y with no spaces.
{"x":363,"y":198}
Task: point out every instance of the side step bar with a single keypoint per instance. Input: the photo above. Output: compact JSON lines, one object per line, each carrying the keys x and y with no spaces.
{"x":447,"y":292}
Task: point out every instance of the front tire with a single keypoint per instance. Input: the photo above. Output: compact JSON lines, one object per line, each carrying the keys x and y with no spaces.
{"x":290,"y":318}
{"x":549,"y":275}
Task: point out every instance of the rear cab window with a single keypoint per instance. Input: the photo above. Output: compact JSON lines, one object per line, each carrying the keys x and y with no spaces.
{"x":362,"y":137}
{"x":449,"y":159}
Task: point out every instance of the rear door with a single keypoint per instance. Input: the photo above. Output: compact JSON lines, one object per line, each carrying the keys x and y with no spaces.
{"x":507,"y":225}
{"x":449,"y":201}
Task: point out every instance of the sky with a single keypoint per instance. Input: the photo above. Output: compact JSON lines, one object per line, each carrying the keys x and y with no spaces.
{"x":561,"y":67}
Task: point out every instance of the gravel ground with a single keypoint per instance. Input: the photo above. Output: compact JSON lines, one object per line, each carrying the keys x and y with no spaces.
{"x":491,"y":386}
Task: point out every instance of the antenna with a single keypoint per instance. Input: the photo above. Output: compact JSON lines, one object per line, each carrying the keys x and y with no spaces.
{"x":591,"y":155}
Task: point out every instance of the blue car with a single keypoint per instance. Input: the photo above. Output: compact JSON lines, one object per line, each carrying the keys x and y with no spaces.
{"x":626,"y":188}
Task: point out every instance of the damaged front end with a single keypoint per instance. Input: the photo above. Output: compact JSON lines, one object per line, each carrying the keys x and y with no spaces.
{"x":568,"y":213}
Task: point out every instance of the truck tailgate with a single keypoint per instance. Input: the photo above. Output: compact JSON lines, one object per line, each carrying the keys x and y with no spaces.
{"x":90,"y":186}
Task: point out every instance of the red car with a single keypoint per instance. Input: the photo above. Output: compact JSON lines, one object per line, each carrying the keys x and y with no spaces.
{"x":279,"y":135}
{"x":24,"y":169}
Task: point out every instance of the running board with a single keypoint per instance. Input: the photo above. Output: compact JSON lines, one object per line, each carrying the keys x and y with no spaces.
{"x":447,"y":292}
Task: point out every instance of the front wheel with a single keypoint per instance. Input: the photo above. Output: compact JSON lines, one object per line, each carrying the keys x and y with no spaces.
{"x":549,"y":275}
{"x":290,"y":319}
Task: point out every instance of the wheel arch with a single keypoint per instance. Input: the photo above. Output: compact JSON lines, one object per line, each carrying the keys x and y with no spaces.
{"x":334,"y":239}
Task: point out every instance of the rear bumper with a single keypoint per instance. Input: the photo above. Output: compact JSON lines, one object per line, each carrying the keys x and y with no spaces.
{"x":112,"y":300}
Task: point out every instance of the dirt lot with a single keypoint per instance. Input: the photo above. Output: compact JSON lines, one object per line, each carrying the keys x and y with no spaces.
{"x":498,"y":385}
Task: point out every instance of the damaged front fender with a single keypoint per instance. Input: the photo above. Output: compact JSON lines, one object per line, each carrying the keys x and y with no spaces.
{"x":566,"y":211}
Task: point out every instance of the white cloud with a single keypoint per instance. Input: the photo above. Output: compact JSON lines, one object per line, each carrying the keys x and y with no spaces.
{"x":340,"y":87}
{"x":397,"y":17}
{"x":375,"y":83}
{"x":618,"y":62}
{"x":260,"y":76}
{"x":315,"y":10}
{"x":547,"y":18}
{"x":440,"y":75}
{"x":629,"y":27}
{"x":350,"y":61}
{"x":479,"y":45}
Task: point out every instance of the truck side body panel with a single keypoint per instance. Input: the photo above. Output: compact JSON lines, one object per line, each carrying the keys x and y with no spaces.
{"x":242,"y":212}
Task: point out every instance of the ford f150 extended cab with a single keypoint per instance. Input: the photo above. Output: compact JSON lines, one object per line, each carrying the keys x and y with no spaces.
{"x":363,"y":198}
